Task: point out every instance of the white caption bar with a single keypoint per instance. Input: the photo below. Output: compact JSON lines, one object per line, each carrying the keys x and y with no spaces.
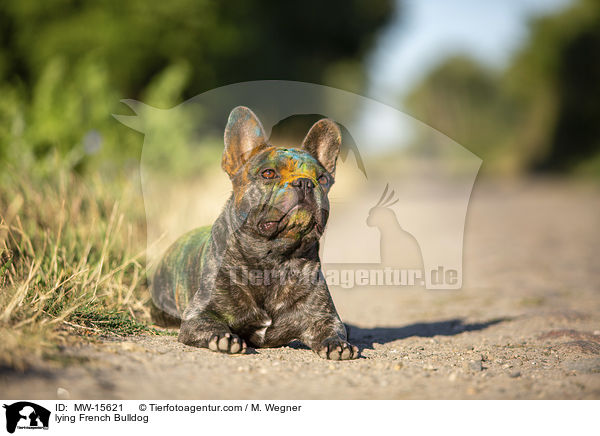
{"x":253,"y":417}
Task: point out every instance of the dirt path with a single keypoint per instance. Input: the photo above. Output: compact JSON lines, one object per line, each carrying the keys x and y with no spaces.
{"x":525,"y":325}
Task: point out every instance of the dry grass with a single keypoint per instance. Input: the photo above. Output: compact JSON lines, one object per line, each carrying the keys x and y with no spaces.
{"x":70,"y":264}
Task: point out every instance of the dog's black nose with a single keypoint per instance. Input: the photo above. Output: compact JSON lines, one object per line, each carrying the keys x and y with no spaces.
{"x":303,"y":183}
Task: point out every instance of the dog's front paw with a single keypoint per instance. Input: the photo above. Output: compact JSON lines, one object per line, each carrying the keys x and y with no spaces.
{"x":227,"y":343}
{"x":337,"y":349}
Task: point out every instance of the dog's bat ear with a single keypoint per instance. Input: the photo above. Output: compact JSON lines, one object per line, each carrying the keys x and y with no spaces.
{"x":243,"y":134}
{"x":323,"y":142}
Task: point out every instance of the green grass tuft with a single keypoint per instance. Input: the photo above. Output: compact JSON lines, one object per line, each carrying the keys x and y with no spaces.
{"x":71,"y":264}
{"x":112,"y":323}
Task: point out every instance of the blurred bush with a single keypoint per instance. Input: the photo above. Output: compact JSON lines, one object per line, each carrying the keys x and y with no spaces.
{"x":64,"y":64}
{"x":464,"y":100}
{"x":540,"y":114}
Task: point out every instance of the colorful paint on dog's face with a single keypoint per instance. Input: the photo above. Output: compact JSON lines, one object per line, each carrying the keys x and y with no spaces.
{"x":280,"y":192}
{"x":283,"y":192}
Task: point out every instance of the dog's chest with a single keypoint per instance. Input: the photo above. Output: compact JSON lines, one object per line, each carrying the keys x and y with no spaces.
{"x":259,"y":335}
{"x":279,"y":323}
{"x":274,"y":300}
{"x":274,"y":334}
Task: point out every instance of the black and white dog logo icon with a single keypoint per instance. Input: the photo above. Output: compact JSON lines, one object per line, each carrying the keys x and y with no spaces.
{"x":26,"y":415}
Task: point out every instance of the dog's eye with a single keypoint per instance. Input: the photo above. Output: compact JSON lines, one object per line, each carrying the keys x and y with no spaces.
{"x":323,"y":180}
{"x":269,"y":174}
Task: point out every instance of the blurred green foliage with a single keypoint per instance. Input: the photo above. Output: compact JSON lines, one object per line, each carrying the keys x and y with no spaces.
{"x":64,"y":64}
{"x":463,"y":99}
{"x":541,"y":114}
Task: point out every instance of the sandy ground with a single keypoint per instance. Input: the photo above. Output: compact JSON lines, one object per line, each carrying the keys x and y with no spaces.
{"x":526,"y":325}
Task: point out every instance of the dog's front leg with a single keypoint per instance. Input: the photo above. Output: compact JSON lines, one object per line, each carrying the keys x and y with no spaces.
{"x":324,"y":332}
{"x":206,"y":330}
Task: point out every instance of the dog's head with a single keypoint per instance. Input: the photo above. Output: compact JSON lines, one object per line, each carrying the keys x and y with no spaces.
{"x":280,"y":192}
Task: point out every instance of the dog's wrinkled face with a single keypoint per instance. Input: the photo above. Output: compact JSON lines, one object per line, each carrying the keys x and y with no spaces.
{"x":286,"y":191}
{"x":280,"y":192}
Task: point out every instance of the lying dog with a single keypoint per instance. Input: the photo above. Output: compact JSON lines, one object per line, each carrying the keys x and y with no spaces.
{"x":255,"y":276}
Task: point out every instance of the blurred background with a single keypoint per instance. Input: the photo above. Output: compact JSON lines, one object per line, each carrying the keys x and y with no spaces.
{"x":516,"y":82}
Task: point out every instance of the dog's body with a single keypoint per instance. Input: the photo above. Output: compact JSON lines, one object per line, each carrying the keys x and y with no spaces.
{"x":255,"y":275}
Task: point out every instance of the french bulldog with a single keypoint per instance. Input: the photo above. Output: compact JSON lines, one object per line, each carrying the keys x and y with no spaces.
{"x":254,"y":277}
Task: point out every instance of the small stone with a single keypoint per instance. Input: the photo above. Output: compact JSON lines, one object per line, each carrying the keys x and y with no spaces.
{"x":63,"y":394}
{"x":452,"y":377}
{"x":575,"y":335}
{"x":397,"y":367}
{"x":590,"y":366}
{"x":473,"y":365}
{"x":515,"y":374}
{"x":579,"y":347}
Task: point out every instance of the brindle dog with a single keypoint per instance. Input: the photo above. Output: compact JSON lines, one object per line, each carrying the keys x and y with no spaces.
{"x":255,"y":276}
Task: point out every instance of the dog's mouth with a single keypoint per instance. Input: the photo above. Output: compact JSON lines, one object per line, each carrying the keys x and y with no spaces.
{"x":272,"y":227}
{"x":268,"y":227}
